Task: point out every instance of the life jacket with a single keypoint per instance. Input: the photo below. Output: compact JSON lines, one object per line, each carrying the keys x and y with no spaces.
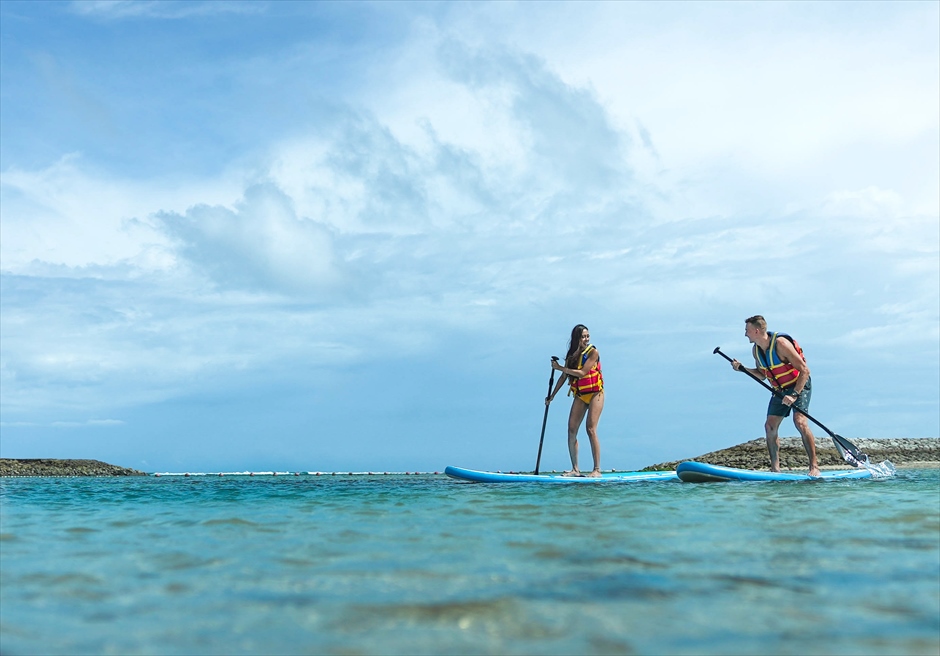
{"x":590,"y":383}
{"x":780,"y":373}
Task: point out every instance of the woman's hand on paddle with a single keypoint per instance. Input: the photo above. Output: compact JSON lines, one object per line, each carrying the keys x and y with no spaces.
{"x":736,"y":365}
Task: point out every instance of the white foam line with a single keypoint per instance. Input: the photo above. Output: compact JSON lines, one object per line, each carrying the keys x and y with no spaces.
{"x":370,"y":473}
{"x":246,"y":473}
{"x":302,"y":473}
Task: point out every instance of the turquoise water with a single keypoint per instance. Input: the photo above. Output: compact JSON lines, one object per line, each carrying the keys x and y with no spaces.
{"x":428,"y":565}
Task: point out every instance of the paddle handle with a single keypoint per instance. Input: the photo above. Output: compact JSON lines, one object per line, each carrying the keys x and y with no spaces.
{"x":551,"y":382}
{"x":745,"y":370}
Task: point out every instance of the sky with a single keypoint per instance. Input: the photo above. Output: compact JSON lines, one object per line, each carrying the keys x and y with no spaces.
{"x":350,"y":236}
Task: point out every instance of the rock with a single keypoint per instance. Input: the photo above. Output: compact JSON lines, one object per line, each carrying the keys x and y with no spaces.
{"x":54,"y":467}
{"x":753,"y":454}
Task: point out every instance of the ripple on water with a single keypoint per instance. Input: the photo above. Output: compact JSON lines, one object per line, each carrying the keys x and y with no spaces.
{"x":611,"y":586}
{"x":462,"y":614}
{"x":228,"y":521}
{"x":65,"y":585}
{"x":53,"y":579}
{"x":180,"y":560}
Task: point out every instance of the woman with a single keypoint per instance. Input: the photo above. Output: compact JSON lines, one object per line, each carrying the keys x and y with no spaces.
{"x":583,"y":368}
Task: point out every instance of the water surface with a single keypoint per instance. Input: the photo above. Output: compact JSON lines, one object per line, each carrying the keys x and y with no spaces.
{"x":427,"y":565}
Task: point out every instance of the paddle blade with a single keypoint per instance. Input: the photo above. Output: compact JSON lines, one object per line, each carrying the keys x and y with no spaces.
{"x":856,"y":458}
{"x":849,"y":451}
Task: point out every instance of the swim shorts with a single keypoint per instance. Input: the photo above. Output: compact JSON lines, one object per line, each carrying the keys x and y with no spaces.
{"x":777,"y":408}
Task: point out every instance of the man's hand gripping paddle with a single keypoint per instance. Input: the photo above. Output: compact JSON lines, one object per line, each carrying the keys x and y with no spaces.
{"x":847,"y":450}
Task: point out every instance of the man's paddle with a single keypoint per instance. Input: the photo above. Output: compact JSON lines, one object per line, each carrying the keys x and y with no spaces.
{"x":846,"y":449}
{"x":551,"y":381}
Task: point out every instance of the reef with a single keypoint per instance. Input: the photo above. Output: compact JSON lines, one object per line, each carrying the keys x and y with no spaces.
{"x":924,"y":451}
{"x":56,"y":467}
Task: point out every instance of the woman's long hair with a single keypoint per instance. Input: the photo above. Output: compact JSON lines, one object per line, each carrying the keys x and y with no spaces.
{"x":572,"y":361}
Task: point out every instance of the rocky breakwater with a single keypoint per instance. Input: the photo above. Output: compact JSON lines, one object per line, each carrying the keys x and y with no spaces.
{"x":54,"y":467}
{"x":902,"y":452}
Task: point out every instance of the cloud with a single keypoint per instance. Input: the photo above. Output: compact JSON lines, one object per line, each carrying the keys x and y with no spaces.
{"x":87,"y":423}
{"x":390,"y":245}
{"x":445,"y":220}
{"x":260,"y":245}
{"x":162,"y":9}
{"x":508,"y":114}
{"x":363,"y":211}
{"x":72,"y":214}
{"x":355,"y":176}
{"x":868,"y":203}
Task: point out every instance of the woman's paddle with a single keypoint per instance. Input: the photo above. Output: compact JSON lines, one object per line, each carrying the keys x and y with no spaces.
{"x":846,"y":449}
{"x":551,"y":381}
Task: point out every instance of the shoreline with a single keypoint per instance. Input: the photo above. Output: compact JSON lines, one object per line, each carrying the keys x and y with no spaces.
{"x":904,"y":453}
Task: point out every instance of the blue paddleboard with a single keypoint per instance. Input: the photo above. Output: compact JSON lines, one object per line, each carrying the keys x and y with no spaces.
{"x":499,"y":477}
{"x":700,"y":472}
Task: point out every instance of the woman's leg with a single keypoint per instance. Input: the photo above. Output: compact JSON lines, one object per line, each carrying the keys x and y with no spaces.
{"x":595,"y":409}
{"x":575,"y":417}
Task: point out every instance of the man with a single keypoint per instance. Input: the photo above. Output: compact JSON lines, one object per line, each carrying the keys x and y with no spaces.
{"x":780,"y":360}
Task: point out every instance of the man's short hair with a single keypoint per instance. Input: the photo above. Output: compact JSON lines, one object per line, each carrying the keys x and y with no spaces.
{"x":757,"y":321}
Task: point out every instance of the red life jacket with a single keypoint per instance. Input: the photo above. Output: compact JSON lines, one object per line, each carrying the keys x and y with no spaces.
{"x":590,"y":383}
{"x":781,"y":374}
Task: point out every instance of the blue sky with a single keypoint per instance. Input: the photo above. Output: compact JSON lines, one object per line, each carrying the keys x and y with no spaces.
{"x":349,"y":236}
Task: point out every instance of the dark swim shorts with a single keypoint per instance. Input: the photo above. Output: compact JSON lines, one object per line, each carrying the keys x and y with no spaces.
{"x":778,"y":409}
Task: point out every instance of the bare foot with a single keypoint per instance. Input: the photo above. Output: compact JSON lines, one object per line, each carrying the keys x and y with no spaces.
{"x":595,"y":473}
{"x":814,"y":472}
{"x":572,"y":473}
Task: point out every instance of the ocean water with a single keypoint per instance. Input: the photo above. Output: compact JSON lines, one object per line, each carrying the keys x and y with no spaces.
{"x":428,"y":565}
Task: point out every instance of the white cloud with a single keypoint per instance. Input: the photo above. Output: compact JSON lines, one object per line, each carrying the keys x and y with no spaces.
{"x":260,"y":245}
{"x":869,"y":203}
{"x":768,"y":83}
{"x":162,"y":9}
{"x":71,"y":214}
{"x":476,"y":194}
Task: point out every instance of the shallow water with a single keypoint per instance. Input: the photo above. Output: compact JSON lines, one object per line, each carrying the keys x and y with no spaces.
{"x":427,"y":565}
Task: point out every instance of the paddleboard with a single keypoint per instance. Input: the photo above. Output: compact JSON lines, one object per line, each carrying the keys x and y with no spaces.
{"x":700,"y":472}
{"x":499,"y":477}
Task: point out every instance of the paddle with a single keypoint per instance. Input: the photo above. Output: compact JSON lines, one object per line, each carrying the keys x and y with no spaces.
{"x":551,"y":381}
{"x":846,"y":449}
